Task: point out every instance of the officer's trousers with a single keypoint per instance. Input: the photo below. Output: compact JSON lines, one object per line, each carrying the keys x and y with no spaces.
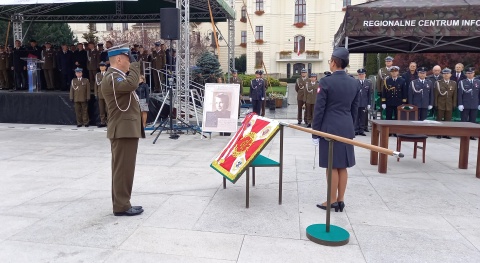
{"x":4,"y":83}
{"x":81,"y":111}
{"x":257,"y":106}
{"x":21,"y":79}
{"x":124,"y":155}
{"x":300,"y":112}
{"x":469,"y":115}
{"x":444,"y":115}
{"x":309,"y":113}
{"x":422,"y":114}
{"x":360,"y":121}
{"x":389,"y":111}
{"x":102,"y":108}
{"x":49,"y":79}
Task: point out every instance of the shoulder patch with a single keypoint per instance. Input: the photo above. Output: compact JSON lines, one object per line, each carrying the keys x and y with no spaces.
{"x":119,"y":79}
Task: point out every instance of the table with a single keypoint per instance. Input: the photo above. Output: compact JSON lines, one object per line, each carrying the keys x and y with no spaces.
{"x":382,"y":128}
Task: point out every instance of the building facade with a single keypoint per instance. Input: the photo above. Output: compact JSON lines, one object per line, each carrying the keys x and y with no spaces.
{"x":285,"y":36}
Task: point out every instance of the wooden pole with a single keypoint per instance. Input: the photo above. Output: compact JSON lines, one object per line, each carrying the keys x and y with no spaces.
{"x":346,"y":140}
{"x":8,"y":32}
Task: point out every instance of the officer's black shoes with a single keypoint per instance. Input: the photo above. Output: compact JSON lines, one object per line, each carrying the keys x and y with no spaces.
{"x":101,"y":125}
{"x":309,"y":125}
{"x":79,"y":125}
{"x":439,"y":137}
{"x":332,"y":206}
{"x":86,"y":125}
{"x":447,"y":137}
{"x":133,"y":211}
{"x":362,"y":134}
{"x":472,"y":138}
{"x":299,"y":123}
{"x":366,"y":130}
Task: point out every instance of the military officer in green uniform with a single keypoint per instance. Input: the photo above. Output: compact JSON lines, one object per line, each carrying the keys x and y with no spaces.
{"x":310,"y":96}
{"x":80,"y":95}
{"x":49,"y":65}
{"x":93,"y":56}
{"x":159,"y":59}
{"x":4,"y":67}
{"x":124,"y":126}
{"x":300,"y":85}
{"x":234,"y":79}
{"x":445,"y":93}
{"x":99,"y":95}
{"x":383,"y":73}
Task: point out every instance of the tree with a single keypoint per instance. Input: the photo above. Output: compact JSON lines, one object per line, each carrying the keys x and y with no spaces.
{"x":209,"y":63}
{"x":241,"y":63}
{"x":56,"y":33}
{"x":3,"y":33}
{"x":429,"y":60}
{"x":90,"y":36}
{"x":145,"y":38}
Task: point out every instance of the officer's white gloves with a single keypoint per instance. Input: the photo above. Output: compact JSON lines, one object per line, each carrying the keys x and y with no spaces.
{"x":263,"y":98}
{"x":430,"y":107}
{"x":368,"y":107}
{"x":315,"y":141}
{"x":384,"y":106}
{"x":460,"y":107}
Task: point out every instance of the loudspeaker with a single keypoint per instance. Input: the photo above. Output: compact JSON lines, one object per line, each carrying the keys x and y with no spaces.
{"x":170,"y":23}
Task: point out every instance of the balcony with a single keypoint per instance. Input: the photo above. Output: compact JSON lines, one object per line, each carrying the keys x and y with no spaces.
{"x":309,"y":56}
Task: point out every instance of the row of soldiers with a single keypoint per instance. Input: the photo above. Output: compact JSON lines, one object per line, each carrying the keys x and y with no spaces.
{"x":442,"y":91}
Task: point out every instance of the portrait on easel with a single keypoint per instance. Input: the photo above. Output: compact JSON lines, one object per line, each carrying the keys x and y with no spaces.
{"x":220,"y":110}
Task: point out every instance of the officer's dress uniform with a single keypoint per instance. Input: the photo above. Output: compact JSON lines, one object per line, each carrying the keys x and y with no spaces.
{"x":124,"y":130}
{"x":145,"y":57}
{"x":159,"y":59}
{"x":394,"y":94}
{"x":336,"y":110}
{"x":49,"y":65}
{"x":383,"y":73}
{"x":4,"y":67}
{"x":257,"y":94}
{"x":237,"y":80}
{"x":363,"y":102}
{"x":300,"y":85}
{"x":469,"y":97}
{"x":102,"y":107}
{"x":80,"y":94}
{"x":93,"y":56}
{"x":310,"y":96}
{"x":420,"y":94}
{"x":445,"y":99}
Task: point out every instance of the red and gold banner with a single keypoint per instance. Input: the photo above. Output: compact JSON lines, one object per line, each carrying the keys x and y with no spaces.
{"x":252,"y":137}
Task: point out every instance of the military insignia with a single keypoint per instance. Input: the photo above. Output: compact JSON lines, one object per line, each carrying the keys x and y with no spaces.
{"x":119,"y":79}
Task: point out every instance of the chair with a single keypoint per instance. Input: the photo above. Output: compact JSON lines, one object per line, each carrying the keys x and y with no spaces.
{"x":409,"y":112}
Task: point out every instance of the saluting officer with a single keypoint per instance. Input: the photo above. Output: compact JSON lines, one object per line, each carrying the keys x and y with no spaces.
{"x":445,"y":97}
{"x":383,"y":73}
{"x":300,"y":85}
{"x":159,"y":59}
{"x":99,"y":95}
{"x":93,"y":56}
{"x":469,"y":97}
{"x":80,"y":95}
{"x":257,"y":91}
{"x":124,"y":127}
{"x":49,"y":65}
{"x":4,"y":66}
{"x":363,"y":102}
{"x":420,"y":94}
{"x":234,"y":79}
{"x":394,"y":93}
{"x":310,"y":96}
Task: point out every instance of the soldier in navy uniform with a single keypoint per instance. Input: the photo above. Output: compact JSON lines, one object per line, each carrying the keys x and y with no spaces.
{"x":469,"y":97}
{"x":336,"y":109}
{"x":363,"y":102}
{"x":257,"y":92}
{"x":394,"y":93}
{"x":420,"y":94}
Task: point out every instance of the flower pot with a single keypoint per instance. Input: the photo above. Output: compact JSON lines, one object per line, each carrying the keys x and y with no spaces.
{"x":278,"y":103}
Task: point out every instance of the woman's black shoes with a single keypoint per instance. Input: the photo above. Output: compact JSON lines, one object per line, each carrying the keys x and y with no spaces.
{"x":337,"y":206}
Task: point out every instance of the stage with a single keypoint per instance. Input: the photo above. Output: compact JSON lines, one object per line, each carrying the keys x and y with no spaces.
{"x":53,"y":107}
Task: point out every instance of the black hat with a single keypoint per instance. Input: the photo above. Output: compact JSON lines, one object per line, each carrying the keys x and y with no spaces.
{"x":259,"y":72}
{"x":102,"y":64}
{"x":33,"y":40}
{"x":48,"y":43}
{"x":470,"y":70}
{"x":422,"y":69}
{"x":361,"y":71}
{"x":341,"y":53}
{"x":100,"y":44}
{"x":157,"y":44}
{"x":135,"y":45}
{"x":326,"y":73}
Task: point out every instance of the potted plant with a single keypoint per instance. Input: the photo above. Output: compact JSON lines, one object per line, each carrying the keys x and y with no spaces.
{"x":299,"y":24}
{"x":259,"y":12}
{"x":259,"y":41}
{"x":243,"y":44}
{"x":277,"y":98}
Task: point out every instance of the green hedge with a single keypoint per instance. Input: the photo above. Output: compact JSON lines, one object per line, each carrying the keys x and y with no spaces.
{"x":248,"y":78}
{"x":282,"y":90}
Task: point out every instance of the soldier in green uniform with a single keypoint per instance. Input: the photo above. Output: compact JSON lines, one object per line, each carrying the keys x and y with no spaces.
{"x":383,"y":73}
{"x":99,"y":95}
{"x":310,"y":96}
{"x":234,"y":79}
{"x":4,"y":66}
{"x":49,"y":65}
{"x":124,"y":126}
{"x":143,"y":57}
{"x":93,"y":56}
{"x":445,"y":93}
{"x":80,"y":95}
{"x":159,"y":59}
{"x":300,"y":85}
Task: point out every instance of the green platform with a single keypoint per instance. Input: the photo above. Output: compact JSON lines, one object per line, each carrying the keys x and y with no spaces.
{"x":336,"y":237}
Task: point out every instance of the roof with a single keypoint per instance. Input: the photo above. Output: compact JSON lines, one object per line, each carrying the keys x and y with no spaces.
{"x":115,"y":11}
{"x":411,"y":26}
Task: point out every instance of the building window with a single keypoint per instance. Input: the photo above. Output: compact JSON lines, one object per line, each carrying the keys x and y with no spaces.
{"x":347,"y":3}
{"x":259,"y":5}
{"x":299,"y":44}
{"x":258,"y":59}
{"x":244,"y":37}
{"x":259,"y":33}
{"x":243,"y":17}
{"x":109,"y":26}
{"x":300,"y":11}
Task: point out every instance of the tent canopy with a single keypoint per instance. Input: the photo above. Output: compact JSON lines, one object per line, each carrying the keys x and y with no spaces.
{"x":114,"y":11}
{"x":411,"y":26}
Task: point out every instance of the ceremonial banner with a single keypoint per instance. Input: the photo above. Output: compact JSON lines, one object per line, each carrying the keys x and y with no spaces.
{"x":220,"y":112}
{"x":252,"y":137}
